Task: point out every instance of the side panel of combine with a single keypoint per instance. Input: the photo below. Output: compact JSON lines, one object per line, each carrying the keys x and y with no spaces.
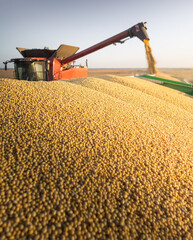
{"x":73,"y":73}
{"x":59,"y":72}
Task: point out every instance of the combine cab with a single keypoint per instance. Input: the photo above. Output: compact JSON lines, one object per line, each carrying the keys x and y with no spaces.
{"x":45,"y":64}
{"x":30,"y":69}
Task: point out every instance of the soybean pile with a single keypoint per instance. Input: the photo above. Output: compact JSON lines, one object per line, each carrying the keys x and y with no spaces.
{"x":95,"y":158}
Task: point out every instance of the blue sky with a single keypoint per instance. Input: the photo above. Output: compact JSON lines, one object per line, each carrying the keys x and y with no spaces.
{"x":40,"y":23}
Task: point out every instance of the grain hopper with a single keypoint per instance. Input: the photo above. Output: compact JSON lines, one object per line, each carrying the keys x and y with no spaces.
{"x":46,"y":64}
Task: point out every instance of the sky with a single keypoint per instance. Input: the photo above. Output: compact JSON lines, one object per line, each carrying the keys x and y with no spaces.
{"x":83,"y":23}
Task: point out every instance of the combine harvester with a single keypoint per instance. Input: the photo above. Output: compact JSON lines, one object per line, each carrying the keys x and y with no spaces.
{"x":48,"y":65}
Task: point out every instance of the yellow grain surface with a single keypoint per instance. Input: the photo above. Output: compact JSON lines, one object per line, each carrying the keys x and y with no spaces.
{"x":100,"y":158}
{"x":166,"y":94}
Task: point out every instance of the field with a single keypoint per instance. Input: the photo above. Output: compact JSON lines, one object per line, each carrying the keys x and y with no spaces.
{"x":181,"y":74}
{"x":105,"y":157}
{"x":9,"y":73}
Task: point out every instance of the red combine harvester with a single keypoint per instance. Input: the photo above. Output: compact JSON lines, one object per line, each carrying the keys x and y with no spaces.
{"x":48,"y":65}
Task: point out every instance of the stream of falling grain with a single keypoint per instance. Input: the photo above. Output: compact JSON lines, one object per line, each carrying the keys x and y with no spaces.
{"x":151,"y":61}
